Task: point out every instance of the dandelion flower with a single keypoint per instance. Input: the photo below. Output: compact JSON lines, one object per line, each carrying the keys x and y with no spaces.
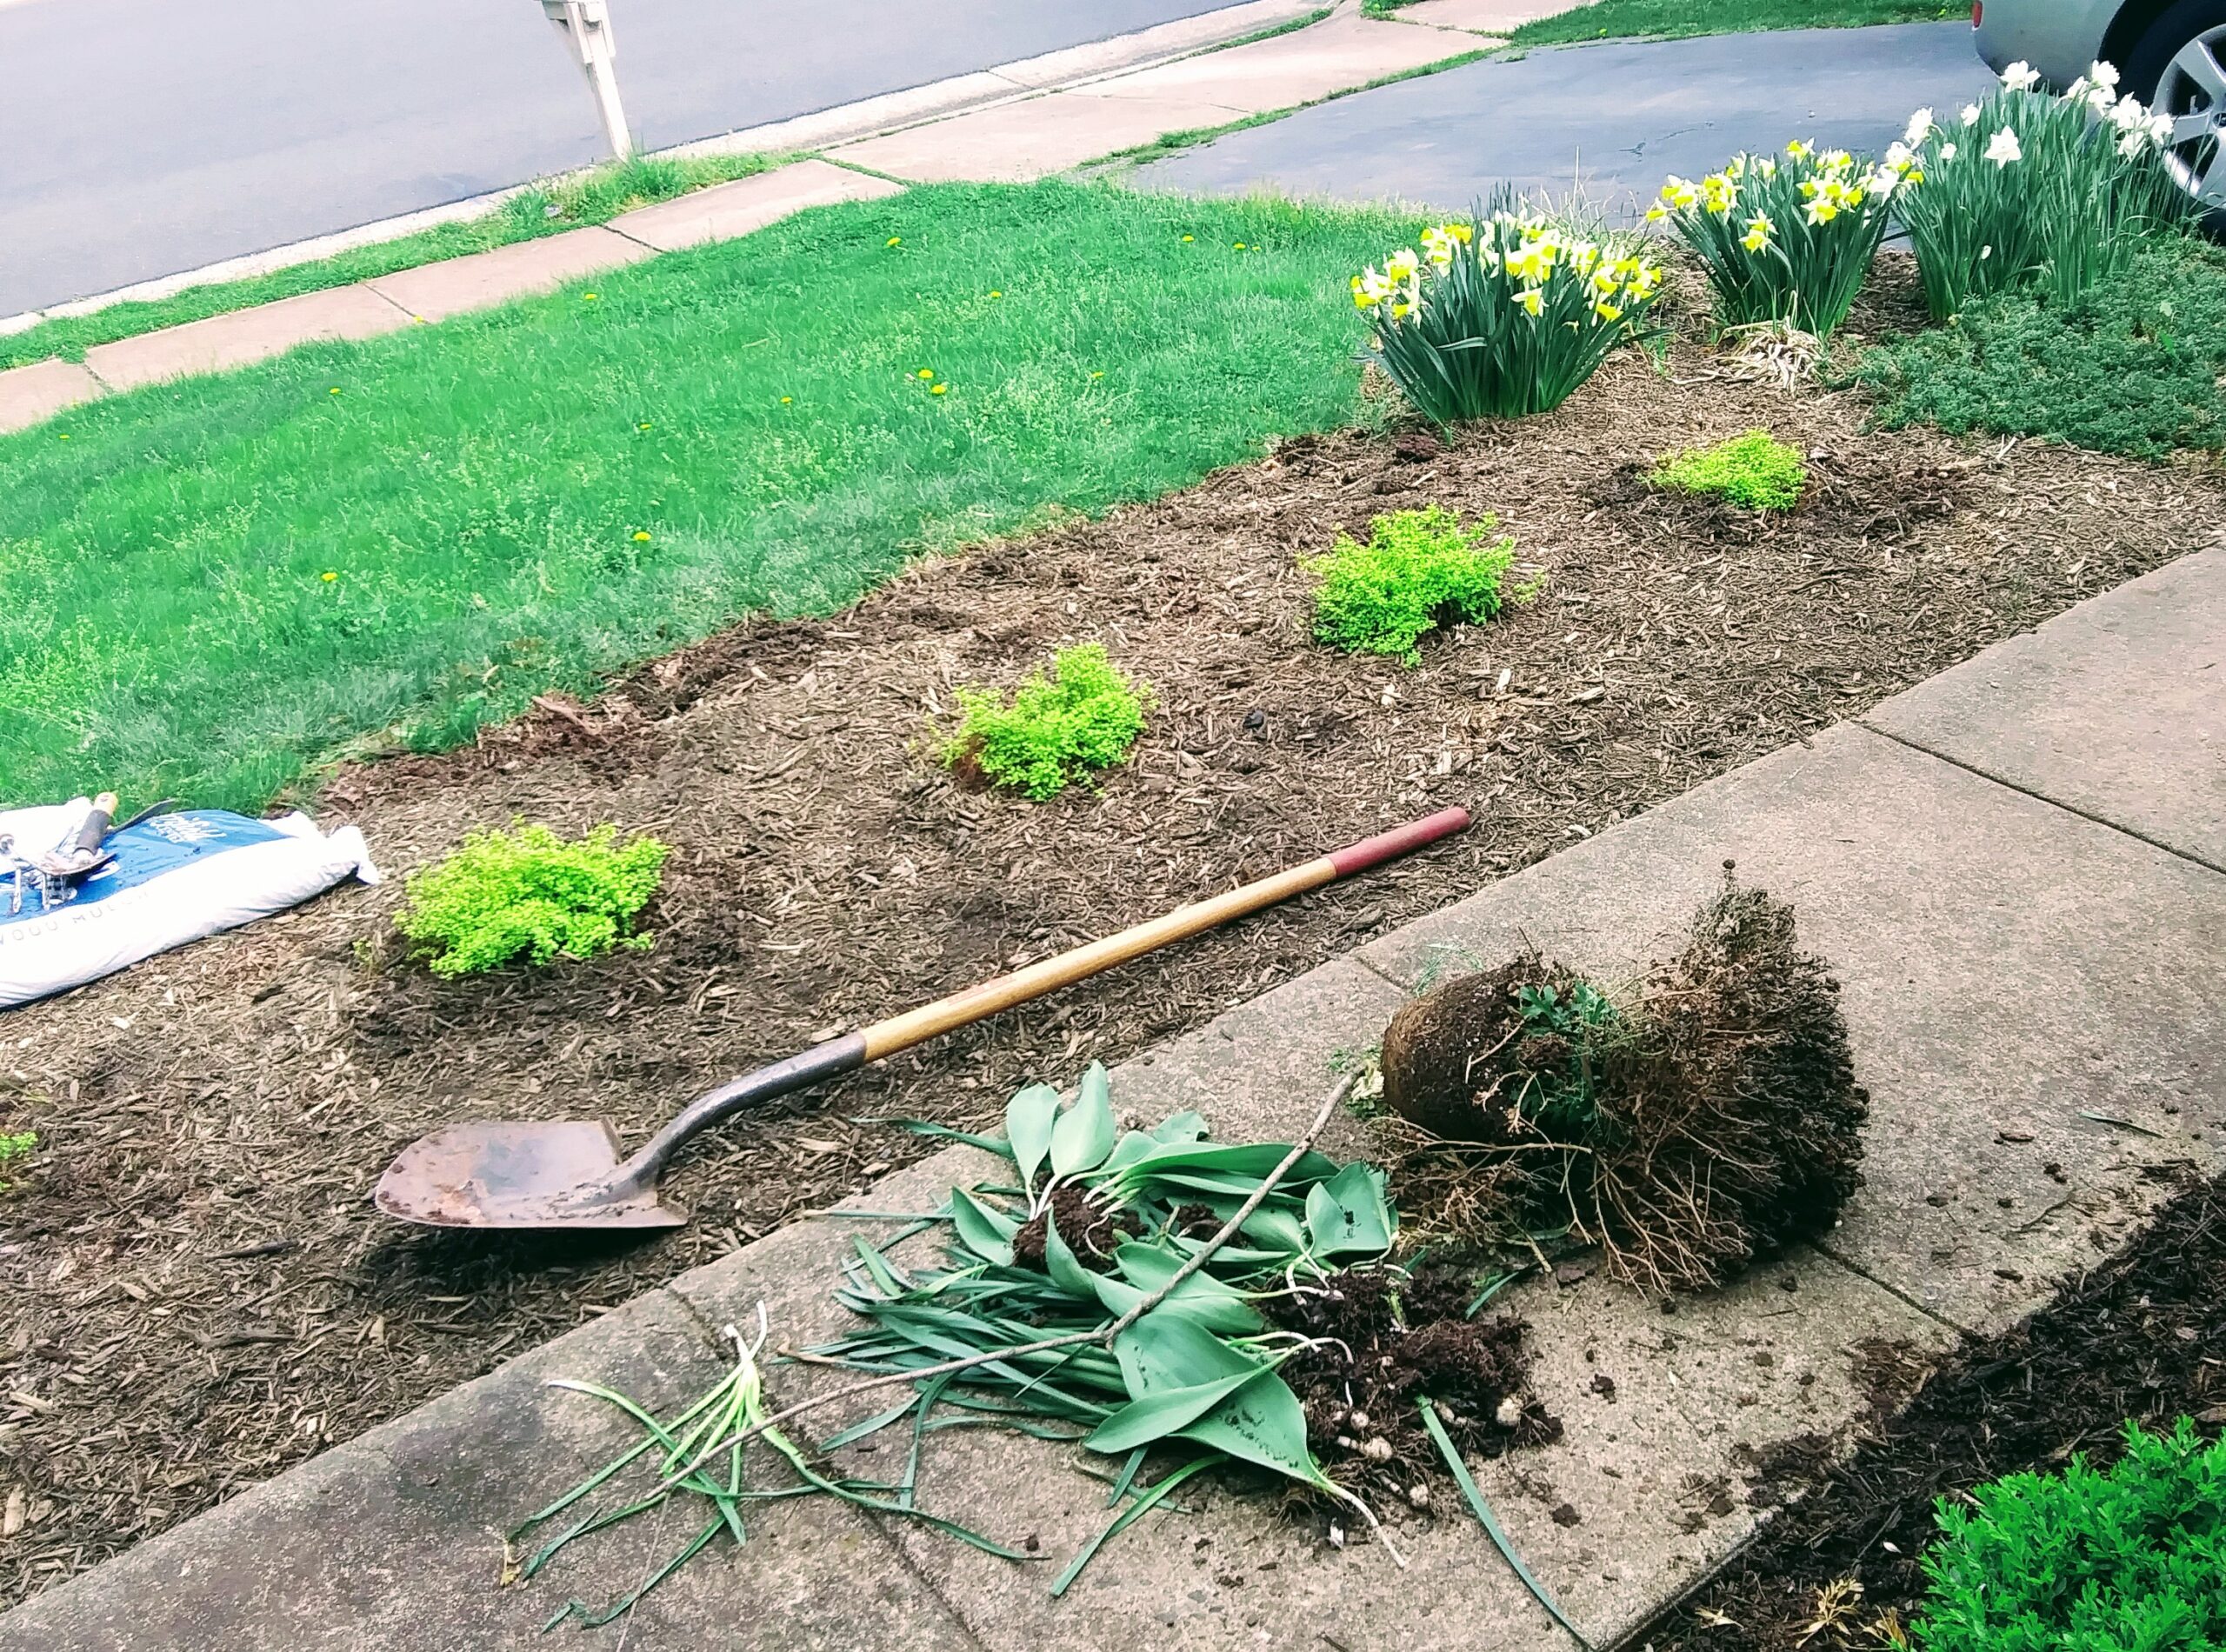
{"x":64,"y":436}
{"x":925,"y":372}
{"x":1099,"y":373}
{"x":643,"y":426}
{"x":2021,"y":77}
{"x":996,"y":293}
{"x":335,"y":390}
{"x":2001,"y":149}
{"x":641,"y":535}
{"x":894,"y":241}
{"x":938,"y":389}
{"x":786,"y":400}
{"x":590,"y":295}
{"x":1190,"y":237}
{"x":328,"y":576}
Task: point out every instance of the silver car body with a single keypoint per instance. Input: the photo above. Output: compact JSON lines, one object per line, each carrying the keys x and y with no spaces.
{"x":2058,"y":37}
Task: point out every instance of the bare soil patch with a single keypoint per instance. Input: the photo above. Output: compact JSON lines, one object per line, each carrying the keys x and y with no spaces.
{"x":2136,"y":1337}
{"x":197,"y":1291}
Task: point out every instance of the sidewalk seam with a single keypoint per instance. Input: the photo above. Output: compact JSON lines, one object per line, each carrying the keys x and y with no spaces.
{"x":1891,"y":1288}
{"x":2039,"y":796}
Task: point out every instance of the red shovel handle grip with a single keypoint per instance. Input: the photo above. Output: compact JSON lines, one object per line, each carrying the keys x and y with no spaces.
{"x":1400,"y":840}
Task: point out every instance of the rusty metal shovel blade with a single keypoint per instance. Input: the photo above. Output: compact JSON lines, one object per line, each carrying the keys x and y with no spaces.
{"x":558,"y":1174}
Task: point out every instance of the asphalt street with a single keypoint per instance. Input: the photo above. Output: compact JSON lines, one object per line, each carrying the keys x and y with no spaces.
{"x":1609,"y":120}
{"x":142,"y":137}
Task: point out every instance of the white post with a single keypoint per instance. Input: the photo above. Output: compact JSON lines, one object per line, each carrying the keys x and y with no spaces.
{"x":585,"y":25}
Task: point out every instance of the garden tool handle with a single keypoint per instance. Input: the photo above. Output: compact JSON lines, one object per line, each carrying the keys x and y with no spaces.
{"x":979,"y":1002}
{"x":848,"y":1052}
{"x":90,"y":835}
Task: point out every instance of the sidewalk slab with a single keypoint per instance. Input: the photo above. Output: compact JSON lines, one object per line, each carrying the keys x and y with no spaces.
{"x":392,"y":1542}
{"x":1033,"y":138}
{"x":243,"y":337}
{"x":1207,"y":30}
{"x":1299,"y":68}
{"x":2005,"y":965}
{"x":2115,"y":708}
{"x":29,"y":395}
{"x":437,"y":291}
{"x":726,"y":210}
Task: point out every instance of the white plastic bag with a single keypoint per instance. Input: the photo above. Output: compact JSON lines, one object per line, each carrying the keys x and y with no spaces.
{"x":175,"y":878}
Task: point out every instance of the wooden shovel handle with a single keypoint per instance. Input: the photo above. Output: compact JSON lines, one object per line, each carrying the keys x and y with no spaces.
{"x":978,"y":1002}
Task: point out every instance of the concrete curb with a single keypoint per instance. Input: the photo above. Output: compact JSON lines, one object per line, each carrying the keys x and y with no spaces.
{"x":2016,"y":972}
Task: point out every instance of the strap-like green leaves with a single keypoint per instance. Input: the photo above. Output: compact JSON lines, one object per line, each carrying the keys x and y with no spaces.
{"x":1084,"y":1133}
{"x":1029,"y":1119}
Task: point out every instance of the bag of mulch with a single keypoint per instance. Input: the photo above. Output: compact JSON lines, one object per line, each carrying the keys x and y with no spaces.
{"x":175,"y":878}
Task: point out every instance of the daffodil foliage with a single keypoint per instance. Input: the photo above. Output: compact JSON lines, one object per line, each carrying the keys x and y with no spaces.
{"x":1095,"y":1220}
{"x":2028,"y":189}
{"x":1787,"y":238}
{"x":1504,"y":316}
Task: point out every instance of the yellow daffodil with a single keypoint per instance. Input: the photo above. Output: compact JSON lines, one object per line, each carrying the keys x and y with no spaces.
{"x":1532,"y":299}
{"x":1655,"y":213}
{"x":1800,"y":149}
{"x":1607,"y":311}
{"x":1821,"y":211}
{"x":1759,"y":230}
{"x":1400,"y":309}
{"x":1402,"y":266}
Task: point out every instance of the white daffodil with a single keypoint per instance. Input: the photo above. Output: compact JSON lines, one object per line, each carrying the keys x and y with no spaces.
{"x":1970,"y":114}
{"x":1921,"y":124}
{"x":2104,"y":75}
{"x":2021,"y":77}
{"x":1402,"y":264}
{"x":2160,"y":130}
{"x":2001,"y":149}
{"x":1946,"y":151}
{"x":2132,"y":144}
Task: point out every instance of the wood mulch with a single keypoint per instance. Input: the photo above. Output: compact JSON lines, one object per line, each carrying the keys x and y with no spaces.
{"x":195,"y":1292}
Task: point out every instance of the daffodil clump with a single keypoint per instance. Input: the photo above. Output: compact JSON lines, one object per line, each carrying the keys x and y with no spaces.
{"x":1501,"y":318}
{"x":2026,"y":189}
{"x":1787,"y":238}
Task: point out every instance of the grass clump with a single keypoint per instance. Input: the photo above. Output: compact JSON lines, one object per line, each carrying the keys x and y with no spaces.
{"x":530,"y":893}
{"x":1057,"y":729}
{"x":547,"y":208}
{"x":1419,"y":569}
{"x":15,"y":1148}
{"x":1755,"y":471}
{"x":742,"y":430}
{"x":2133,"y":367}
{"x":1680,"y":17}
{"x":2091,"y":1560}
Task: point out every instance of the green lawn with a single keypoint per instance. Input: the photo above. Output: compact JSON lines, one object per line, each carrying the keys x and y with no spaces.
{"x":594,"y":196}
{"x":1610,"y":18}
{"x":209,"y":589}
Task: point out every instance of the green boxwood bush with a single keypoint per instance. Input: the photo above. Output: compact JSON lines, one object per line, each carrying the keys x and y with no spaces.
{"x":1754,"y":471}
{"x":530,"y":893}
{"x":1418,"y":570}
{"x":2126,"y":1559}
{"x":1057,"y":729}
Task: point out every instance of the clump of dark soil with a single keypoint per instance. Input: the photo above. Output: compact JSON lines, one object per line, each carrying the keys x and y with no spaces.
{"x":2137,"y":1338}
{"x":1710,"y":1121}
{"x":194,"y":1290}
{"x":1090,"y":1230}
{"x":1384,"y":1341}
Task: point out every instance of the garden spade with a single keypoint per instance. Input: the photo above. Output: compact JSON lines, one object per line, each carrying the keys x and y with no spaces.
{"x":568,"y":1174}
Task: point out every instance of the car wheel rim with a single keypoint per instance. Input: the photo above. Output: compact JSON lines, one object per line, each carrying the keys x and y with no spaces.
{"x":2192,"y":90}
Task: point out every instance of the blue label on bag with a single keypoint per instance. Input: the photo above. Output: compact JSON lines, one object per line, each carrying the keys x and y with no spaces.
{"x":144,"y":852}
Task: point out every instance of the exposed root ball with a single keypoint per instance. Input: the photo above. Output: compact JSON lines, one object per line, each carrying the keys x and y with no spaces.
{"x":1711,"y":1119}
{"x":1091,"y":1233}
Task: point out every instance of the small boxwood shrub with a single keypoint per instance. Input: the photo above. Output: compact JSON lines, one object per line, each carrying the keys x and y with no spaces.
{"x":1057,"y":729}
{"x":1754,"y":471}
{"x":2126,"y":1559}
{"x":530,"y":893}
{"x":1419,"y":569}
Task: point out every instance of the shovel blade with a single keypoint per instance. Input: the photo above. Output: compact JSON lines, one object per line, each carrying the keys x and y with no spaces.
{"x":552,"y":1175}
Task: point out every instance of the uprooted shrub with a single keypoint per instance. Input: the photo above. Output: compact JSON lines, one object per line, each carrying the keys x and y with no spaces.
{"x":1706,"y":1118}
{"x":1420,"y":570}
{"x":531,"y":894}
{"x":1057,"y":729}
{"x":2090,"y":1560}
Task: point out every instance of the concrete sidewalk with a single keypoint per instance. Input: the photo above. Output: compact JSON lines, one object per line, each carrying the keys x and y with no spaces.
{"x":1610,"y":120}
{"x":2019,"y":879}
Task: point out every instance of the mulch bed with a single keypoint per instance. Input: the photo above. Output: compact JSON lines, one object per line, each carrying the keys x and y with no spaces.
{"x":197,"y":1292}
{"x":2139,"y":1338}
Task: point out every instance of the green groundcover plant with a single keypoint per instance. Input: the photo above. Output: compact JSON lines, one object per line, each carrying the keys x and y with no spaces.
{"x":1755,"y":471}
{"x":15,"y":1148}
{"x":2030,"y":189}
{"x":2126,"y":1559}
{"x":1787,"y":239}
{"x":1504,"y":316}
{"x":530,"y":893}
{"x":1057,"y":729}
{"x":1419,"y":569}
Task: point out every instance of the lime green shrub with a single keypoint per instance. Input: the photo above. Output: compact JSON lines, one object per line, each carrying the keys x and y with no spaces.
{"x":1754,"y":471}
{"x":529,"y":892}
{"x":13,"y":1149}
{"x":1057,"y":729}
{"x":1418,"y":570}
{"x":2130,"y":1559}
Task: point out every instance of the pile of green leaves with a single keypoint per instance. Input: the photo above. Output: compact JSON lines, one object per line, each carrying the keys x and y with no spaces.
{"x":1754,"y":471}
{"x":1080,"y":719}
{"x":15,"y":1148}
{"x":2133,"y":367}
{"x":530,"y":893}
{"x":1419,"y":569}
{"x":2088,"y":1560}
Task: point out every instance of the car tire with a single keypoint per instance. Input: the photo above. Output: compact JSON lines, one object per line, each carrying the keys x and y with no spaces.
{"x":2179,"y":65}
